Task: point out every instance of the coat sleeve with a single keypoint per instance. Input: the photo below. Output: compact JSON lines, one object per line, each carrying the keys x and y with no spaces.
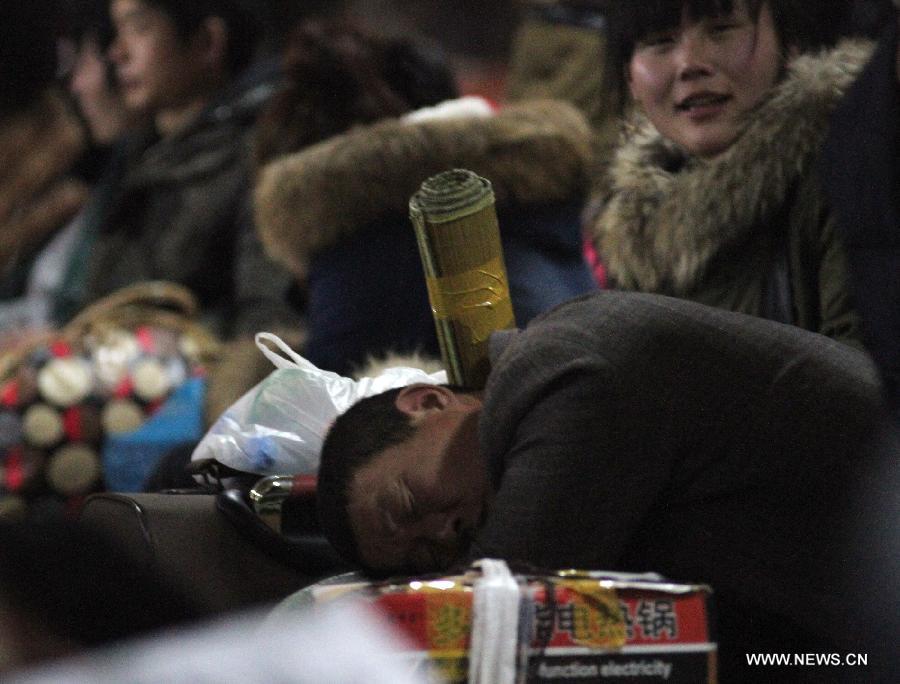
{"x":820,"y":275}
{"x":839,"y":318}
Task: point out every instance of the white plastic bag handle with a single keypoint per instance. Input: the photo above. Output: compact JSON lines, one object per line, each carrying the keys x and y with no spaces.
{"x":278,"y":427}
{"x":278,"y":360}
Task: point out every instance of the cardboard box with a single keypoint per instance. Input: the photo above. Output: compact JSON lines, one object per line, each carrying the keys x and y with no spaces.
{"x":575,"y":627}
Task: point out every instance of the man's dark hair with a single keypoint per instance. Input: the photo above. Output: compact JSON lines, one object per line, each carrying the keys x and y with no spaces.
{"x":240,"y":16}
{"x":367,"y":428}
{"x":806,"y":25}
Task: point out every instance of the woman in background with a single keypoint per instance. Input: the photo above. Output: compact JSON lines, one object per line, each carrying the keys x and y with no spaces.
{"x":336,"y":212}
{"x":714,"y":194}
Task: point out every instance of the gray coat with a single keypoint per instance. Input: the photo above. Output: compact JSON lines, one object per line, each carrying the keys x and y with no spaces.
{"x":636,"y":432}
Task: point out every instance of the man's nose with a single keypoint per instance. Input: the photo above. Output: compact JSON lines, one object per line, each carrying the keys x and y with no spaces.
{"x":693,"y":56}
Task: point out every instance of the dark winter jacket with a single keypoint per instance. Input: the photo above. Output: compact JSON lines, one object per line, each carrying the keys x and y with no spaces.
{"x":863,"y":183}
{"x":627,"y":431}
{"x":337,"y":215}
{"x":180,"y":211}
{"x":749,"y":230}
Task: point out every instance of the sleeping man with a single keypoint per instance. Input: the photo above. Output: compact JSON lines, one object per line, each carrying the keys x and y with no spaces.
{"x":634,"y":432}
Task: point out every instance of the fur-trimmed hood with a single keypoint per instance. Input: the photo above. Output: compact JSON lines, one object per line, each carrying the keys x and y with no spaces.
{"x":666,"y":216}
{"x":531,"y":152}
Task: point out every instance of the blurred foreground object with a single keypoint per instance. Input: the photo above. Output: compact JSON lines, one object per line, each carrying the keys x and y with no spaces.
{"x":341,"y":645}
{"x":65,"y":587}
{"x":489,"y":625}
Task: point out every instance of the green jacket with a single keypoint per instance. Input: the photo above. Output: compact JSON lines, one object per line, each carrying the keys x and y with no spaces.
{"x":750,"y":230}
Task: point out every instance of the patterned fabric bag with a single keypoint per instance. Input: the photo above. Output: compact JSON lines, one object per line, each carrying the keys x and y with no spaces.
{"x":95,"y":405}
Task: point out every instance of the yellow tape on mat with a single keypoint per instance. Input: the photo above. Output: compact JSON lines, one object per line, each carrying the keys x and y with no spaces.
{"x":478,"y":298}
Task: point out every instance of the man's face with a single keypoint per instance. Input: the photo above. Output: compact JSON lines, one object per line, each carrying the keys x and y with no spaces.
{"x":695,"y":81}
{"x":415,"y":507}
{"x":157,"y":69}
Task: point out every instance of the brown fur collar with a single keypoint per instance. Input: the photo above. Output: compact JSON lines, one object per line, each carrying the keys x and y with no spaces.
{"x":659,"y":229}
{"x":538,"y":151}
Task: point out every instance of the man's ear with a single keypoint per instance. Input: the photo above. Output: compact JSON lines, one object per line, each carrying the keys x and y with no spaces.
{"x":211,"y":43}
{"x":418,"y":399}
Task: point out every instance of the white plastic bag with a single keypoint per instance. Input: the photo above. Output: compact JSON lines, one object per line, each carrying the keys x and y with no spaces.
{"x":277,"y":428}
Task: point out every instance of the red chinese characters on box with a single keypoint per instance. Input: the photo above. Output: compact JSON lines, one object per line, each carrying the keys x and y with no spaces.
{"x":579,"y":628}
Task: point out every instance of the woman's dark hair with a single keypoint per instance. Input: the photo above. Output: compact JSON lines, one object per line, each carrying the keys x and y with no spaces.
{"x":367,"y":428}
{"x":804,"y":25}
{"x":244,"y":24}
{"x":337,"y":76}
{"x":88,"y":20}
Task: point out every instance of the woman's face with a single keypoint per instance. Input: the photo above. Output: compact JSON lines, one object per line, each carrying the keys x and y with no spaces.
{"x":694,"y":81}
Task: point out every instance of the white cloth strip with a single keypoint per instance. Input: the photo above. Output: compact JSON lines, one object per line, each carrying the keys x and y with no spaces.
{"x":495,"y":625}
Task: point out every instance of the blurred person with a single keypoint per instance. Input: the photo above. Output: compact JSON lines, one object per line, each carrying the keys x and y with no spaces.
{"x":40,"y":140}
{"x":558,"y":52}
{"x":337,"y":643}
{"x":93,"y":86}
{"x":863,"y":184}
{"x":474,"y":35}
{"x":179,"y":208}
{"x":65,"y":588}
{"x":634,"y":432}
{"x":93,"y":82}
{"x":714,"y":192}
{"x":383,"y":115}
{"x":98,"y":105}
{"x":171,"y":61}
